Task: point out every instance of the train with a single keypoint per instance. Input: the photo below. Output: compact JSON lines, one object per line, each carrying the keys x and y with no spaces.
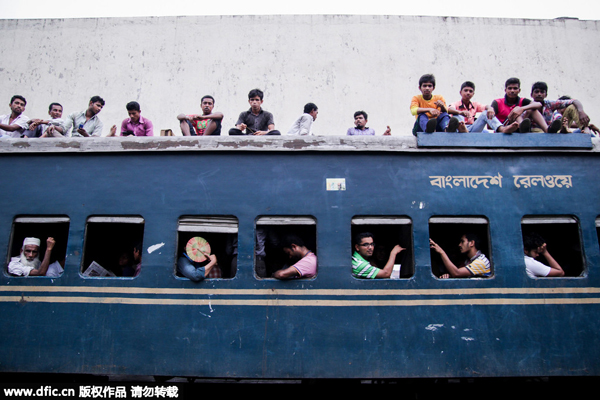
{"x":98,"y":197}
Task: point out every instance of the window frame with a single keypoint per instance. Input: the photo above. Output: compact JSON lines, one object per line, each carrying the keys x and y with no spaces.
{"x":396,"y":221}
{"x":60,"y":248}
{"x":208,"y":224}
{"x":134,"y":220}
{"x":280,"y":221}
{"x":554,"y":248}
{"x":451,"y":248}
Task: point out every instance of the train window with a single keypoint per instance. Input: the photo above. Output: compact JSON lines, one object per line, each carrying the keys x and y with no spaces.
{"x":112,"y":246}
{"x":217,"y":234}
{"x":563,"y":240}
{"x":388,"y":231}
{"x":33,"y":230}
{"x":448,"y":233}
{"x":271,"y":232}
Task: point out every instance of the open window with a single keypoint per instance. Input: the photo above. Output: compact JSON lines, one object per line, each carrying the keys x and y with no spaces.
{"x":220,"y":233}
{"x":562,"y":236}
{"x":42,"y":228}
{"x":447,"y":232}
{"x":112,"y":246}
{"x":387,"y":232}
{"x":270,"y":231}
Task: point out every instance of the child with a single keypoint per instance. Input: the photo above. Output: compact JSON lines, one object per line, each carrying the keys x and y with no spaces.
{"x":429,"y":109}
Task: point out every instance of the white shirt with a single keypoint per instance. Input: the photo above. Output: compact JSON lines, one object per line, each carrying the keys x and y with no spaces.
{"x":93,"y":126}
{"x":302,"y":125}
{"x":15,"y":267}
{"x":54,"y":270}
{"x":21,"y":120}
{"x":56,"y":122}
{"x":535,"y":268}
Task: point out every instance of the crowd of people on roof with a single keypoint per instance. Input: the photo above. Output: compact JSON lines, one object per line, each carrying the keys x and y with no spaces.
{"x":507,"y":115}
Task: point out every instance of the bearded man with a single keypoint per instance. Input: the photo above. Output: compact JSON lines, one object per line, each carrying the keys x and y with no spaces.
{"x":28,"y":262}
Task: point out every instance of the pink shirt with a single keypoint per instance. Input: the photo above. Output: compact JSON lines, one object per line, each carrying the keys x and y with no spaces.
{"x":142,"y":128}
{"x":474,"y":107}
{"x":307,"y":266}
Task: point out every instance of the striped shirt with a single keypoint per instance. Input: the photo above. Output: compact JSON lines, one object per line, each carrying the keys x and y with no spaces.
{"x":361,"y":268}
{"x":479,"y":265}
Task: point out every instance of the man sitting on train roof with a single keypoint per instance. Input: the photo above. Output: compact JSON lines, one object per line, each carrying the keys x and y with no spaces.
{"x":85,"y":123}
{"x":38,"y":127}
{"x":303,"y":125}
{"x":28,"y":262}
{"x":255,"y":121}
{"x":429,"y":109}
{"x":13,"y":124}
{"x":550,"y":110}
{"x":306,"y":264}
{"x":512,"y":108}
{"x":476,"y":264}
{"x":361,"y":129}
{"x":534,"y":246}
{"x":206,"y":124}
{"x":465,"y":111}
{"x":570,"y":120}
{"x":135,"y":125}
{"x":363,"y":251}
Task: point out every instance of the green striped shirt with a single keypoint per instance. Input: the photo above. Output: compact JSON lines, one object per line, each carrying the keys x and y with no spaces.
{"x":361,"y":268}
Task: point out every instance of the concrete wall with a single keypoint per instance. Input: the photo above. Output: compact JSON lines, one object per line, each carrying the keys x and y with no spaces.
{"x":342,"y":63}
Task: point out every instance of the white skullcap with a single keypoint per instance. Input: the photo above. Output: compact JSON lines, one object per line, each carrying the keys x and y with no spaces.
{"x":31,"y":240}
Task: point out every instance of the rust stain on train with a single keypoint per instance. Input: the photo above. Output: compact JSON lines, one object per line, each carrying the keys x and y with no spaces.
{"x":69,"y":144}
{"x":157,"y":145}
{"x":21,"y":144}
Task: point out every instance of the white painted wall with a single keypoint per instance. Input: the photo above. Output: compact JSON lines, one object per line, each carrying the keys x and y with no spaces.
{"x":341,"y":63}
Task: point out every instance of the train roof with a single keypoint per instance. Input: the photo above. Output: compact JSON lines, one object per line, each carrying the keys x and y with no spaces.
{"x":461,"y":142}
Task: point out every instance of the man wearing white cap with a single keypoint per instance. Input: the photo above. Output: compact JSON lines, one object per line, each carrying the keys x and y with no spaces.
{"x":28,"y":263}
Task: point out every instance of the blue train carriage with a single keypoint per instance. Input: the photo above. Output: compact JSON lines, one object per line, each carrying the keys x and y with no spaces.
{"x":101,"y":197}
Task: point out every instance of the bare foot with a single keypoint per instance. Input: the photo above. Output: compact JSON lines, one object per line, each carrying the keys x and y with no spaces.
{"x":462,"y":127}
{"x":510,"y":128}
{"x":564,"y":128}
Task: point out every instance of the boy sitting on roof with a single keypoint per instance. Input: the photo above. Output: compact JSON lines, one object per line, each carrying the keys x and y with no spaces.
{"x":553,"y":118}
{"x":429,"y":109}
{"x":512,"y":108}
{"x":465,"y":111}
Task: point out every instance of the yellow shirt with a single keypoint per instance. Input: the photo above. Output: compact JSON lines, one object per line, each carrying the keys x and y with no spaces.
{"x":420,"y":102}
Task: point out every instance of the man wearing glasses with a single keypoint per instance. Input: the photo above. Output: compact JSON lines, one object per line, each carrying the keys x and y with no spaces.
{"x":363,"y":251}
